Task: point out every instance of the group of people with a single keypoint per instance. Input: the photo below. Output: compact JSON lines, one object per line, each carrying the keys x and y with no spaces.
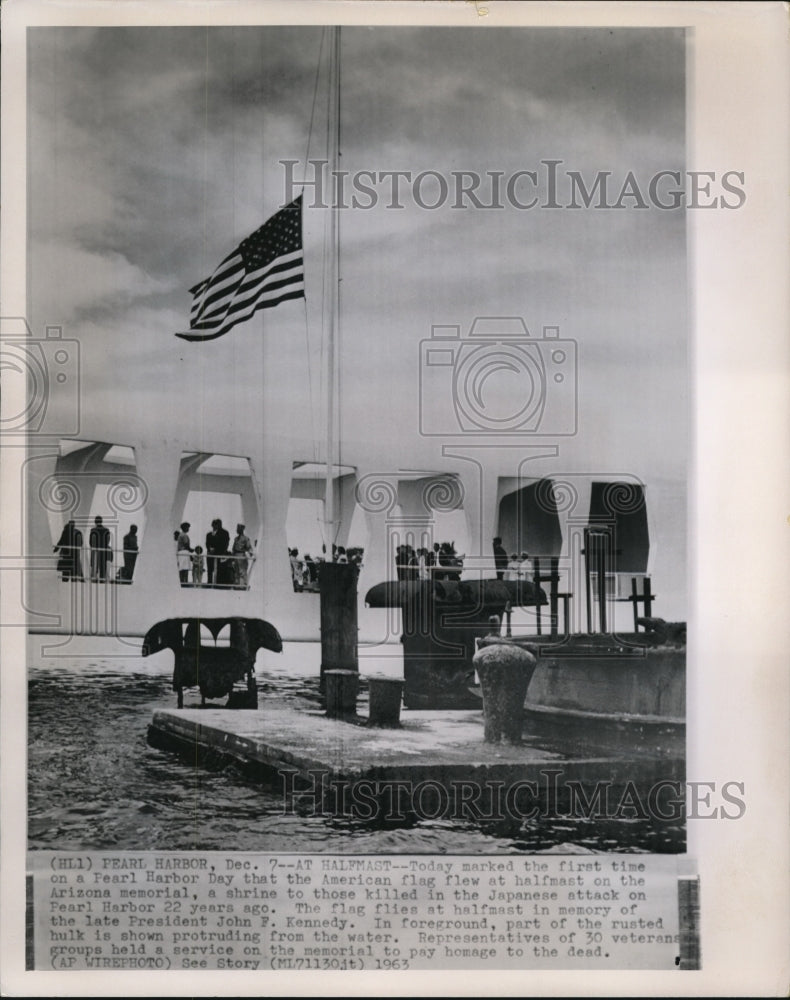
{"x":513,"y":567}
{"x":69,"y":549}
{"x":304,"y":570}
{"x":442,"y":562}
{"x":225,"y":564}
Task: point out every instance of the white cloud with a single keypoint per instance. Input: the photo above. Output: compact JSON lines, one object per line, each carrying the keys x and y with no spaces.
{"x":70,"y":282}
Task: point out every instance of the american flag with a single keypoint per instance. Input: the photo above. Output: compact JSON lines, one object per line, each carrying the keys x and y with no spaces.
{"x":265,"y":269}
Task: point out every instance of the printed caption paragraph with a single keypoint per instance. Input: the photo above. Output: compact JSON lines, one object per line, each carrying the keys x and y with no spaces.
{"x":259,"y":912}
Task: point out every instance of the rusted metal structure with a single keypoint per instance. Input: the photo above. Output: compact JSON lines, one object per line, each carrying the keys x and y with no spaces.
{"x":442,"y":620}
{"x":211,"y":667}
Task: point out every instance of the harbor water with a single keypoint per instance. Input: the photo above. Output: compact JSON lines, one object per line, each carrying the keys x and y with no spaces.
{"x":95,"y":783}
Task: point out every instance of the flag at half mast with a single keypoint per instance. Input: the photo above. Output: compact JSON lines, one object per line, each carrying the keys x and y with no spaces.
{"x":264,"y":270}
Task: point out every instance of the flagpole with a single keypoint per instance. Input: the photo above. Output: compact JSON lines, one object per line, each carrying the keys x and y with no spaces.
{"x":332,"y":285}
{"x":337,"y":580}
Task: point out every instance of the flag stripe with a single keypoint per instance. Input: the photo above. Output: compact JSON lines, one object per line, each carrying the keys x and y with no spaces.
{"x":257,"y":303}
{"x":219,"y":272}
{"x":265,"y":269}
{"x":219,"y":285}
{"x":258,"y":281}
{"x":240,"y":303}
{"x":225,"y":323}
{"x":297,"y":294}
{"x":261,"y":280}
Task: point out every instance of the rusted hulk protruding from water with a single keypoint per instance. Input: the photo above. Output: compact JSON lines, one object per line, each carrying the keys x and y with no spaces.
{"x":635,"y":677}
{"x":442,"y":620}
{"x":214,"y":669}
{"x":505,"y":671}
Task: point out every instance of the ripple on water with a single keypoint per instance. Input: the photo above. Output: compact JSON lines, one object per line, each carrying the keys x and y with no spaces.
{"x":93,"y":782}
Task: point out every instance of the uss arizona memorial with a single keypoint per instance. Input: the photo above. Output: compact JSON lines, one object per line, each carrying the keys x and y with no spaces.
{"x":522,"y":490}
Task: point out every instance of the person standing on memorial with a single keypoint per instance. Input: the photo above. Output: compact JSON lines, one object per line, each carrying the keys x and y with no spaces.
{"x":101,"y":553}
{"x":70,"y":548}
{"x":130,"y":550}
{"x":500,"y":558}
{"x":217,"y":541}
{"x":184,"y":554}
{"x":400,"y":562}
{"x":242,"y":551}
{"x":197,"y":566}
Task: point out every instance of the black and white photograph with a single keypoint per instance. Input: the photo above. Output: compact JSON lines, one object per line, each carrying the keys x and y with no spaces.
{"x":438,"y":396}
{"x":357,"y":501}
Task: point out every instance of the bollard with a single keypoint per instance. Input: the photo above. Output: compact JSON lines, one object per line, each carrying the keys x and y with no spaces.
{"x":341,"y":693}
{"x":505,"y":671}
{"x":385,"y":699}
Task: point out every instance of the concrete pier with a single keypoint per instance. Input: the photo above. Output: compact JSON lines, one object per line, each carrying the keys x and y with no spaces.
{"x":441,"y":747}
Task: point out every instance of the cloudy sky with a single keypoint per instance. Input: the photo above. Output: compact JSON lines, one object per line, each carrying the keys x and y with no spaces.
{"x":154,"y":151}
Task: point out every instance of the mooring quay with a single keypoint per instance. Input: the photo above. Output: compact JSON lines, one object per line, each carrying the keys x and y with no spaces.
{"x":450,"y":734}
{"x":294,"y":748}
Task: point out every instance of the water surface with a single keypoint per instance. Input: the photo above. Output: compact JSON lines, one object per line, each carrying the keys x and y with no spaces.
{"x":94,"y":783}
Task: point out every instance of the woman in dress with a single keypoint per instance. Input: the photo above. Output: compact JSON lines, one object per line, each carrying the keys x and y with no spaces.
{"x":69,"y":548}
{"x":184,"y":554}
